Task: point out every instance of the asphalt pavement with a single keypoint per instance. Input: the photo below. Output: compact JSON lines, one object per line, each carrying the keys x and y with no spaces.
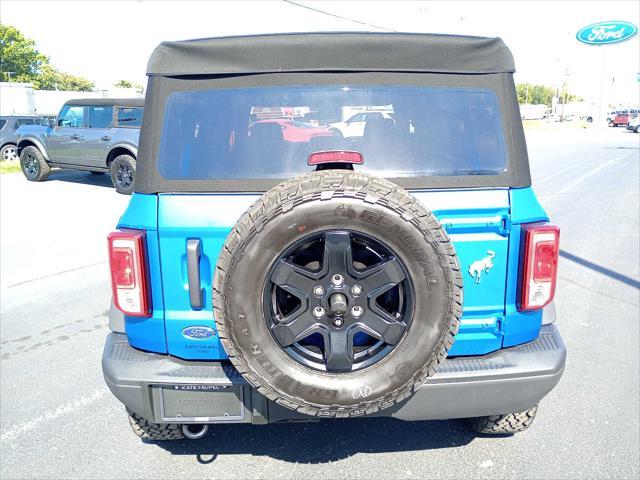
{"x":58,"y":420}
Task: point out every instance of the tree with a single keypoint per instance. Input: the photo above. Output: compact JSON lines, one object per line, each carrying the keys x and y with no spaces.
{"x":20,"y":56}
{"x":541,"y":95}
{"x":123,"y":84}
{"x":128,"y":84}
{"x":52,"y":79}
{"x":534,"y":94}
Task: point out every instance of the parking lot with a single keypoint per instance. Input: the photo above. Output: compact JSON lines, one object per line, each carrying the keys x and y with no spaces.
{"x":60,"y":421}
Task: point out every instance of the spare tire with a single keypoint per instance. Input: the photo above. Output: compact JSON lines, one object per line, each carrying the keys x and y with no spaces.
{"x":337,"y":294}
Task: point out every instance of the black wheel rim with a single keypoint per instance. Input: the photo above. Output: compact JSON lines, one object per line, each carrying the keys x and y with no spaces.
{"x":124,"y":175}
{"x":31,"y":166}
{"x":338,"y":301}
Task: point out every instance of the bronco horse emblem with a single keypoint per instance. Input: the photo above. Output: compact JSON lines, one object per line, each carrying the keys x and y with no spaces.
{"x":486,"y":264}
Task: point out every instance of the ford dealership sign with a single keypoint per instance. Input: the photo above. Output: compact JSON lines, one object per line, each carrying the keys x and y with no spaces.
{"x":605,"y":33}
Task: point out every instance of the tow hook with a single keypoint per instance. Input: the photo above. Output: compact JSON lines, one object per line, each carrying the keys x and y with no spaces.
{"x":194,"y":432}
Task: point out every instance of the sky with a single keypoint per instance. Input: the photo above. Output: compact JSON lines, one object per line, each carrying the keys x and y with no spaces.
{"x":108,"y":41}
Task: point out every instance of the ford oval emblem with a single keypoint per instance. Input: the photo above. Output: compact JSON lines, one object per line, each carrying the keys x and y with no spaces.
{"x":198,"y":333}
{"x":605,"y":33}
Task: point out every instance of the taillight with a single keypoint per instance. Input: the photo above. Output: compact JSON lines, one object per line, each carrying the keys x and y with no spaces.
{"x":539,"y":265}
{"x":335,"y":156}
{"x":127,"y":261}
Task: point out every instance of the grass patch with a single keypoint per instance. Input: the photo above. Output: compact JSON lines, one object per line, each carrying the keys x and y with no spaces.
{"x":10,"y":167}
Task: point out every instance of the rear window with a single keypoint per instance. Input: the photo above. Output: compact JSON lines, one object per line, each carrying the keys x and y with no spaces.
{"x":129,"y":117}
{"x":268,"y":133}
{"x":24,"y":121}
{"x":100,"y":117}
{"x":2,"y":124}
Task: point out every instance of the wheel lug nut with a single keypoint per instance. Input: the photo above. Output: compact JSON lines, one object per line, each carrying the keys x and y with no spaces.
{"x":356,"y":311}
{"x":318,"y":290}
{"x":356,"y":290}
{"x":337,"y":280}
{"x":338,"y":322}
{"x":318,"y":312}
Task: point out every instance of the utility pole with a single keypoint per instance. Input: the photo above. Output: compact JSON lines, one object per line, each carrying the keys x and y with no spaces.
{"x":602,"y":114}
{"x":13,"y":106}
{"x":564,"y":93}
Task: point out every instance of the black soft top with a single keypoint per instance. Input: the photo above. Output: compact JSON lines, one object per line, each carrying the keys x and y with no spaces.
{"x":121,"y":102}
{"x":332,"y":51}
{"x":329,"y":58}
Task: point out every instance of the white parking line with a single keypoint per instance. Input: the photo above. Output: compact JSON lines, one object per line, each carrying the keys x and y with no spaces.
{"x":62,"y":410}
{"x":559,"y":172}
{"x":588,"y":174}
{"x":82,"y":267}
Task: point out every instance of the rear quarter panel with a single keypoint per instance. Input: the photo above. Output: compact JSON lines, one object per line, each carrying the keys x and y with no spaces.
{"x":147,"y":333}
{"x":126,"y":138}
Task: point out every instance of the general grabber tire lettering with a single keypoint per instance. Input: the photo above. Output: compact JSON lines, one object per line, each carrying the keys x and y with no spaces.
{"x":143,"y":428}
{"x":506,"y":424}
{"x":338,"y":207}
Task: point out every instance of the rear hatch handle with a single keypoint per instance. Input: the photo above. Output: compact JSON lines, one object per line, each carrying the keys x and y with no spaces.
{"x":194,"y":252}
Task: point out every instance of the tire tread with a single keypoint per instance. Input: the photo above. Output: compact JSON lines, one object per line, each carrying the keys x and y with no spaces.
{"x":143,"y":428}
{"x":44,"y":168}
{"x":506,"y":424}
{"x":325,"y":185}
{"x":112,"y":172}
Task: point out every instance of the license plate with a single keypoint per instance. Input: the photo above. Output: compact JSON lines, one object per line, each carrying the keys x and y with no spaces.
{"x":202,"y":403}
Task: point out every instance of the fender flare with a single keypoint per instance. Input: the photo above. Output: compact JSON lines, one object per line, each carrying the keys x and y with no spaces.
{"x":127,"y":146}
{"x":36,"y":141}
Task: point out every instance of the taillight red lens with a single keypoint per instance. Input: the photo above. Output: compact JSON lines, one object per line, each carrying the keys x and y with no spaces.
{"x":539,"y":265}
{"x":122,"y":267}
{"x":127,"y":260}
{"x":335,"y":156}
{"x":546,"y":260}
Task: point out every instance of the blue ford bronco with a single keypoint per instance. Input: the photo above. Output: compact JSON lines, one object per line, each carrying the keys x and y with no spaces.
{"x":271,"y":268}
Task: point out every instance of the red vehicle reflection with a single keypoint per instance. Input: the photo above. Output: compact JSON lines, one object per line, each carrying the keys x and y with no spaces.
{"x":620,"y":119}
{"x":294,"y":130}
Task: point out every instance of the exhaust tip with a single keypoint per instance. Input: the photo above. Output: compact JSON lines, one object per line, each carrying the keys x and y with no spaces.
{"x":194,"y":431}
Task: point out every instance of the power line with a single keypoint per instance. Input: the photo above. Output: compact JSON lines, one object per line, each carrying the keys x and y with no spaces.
{"x":340,"y":17}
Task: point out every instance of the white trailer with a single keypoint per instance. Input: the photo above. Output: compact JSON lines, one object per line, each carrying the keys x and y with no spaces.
{"x":533,"y":112}
{"x":17,"y":99}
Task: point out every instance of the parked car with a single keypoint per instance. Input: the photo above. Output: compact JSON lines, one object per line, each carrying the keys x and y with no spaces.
{"x":354,"y":126}
{"x":285,"y":282}
{"x":98,"y":135}
{"x":620,"y":119}
{"x":293,"y":130}
{"x":634,"y":124}
{"x":9,"y":124}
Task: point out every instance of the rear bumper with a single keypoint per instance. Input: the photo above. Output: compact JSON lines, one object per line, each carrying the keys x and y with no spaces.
{"x":166,"y":389}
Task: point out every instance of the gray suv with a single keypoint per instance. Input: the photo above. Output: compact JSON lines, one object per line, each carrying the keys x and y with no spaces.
{"x":9,"y":136}
{"x":98,"y":135}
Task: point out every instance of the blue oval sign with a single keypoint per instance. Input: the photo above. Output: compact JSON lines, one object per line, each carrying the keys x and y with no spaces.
{"x":605,"y":33}
{"x":198,"y":333}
